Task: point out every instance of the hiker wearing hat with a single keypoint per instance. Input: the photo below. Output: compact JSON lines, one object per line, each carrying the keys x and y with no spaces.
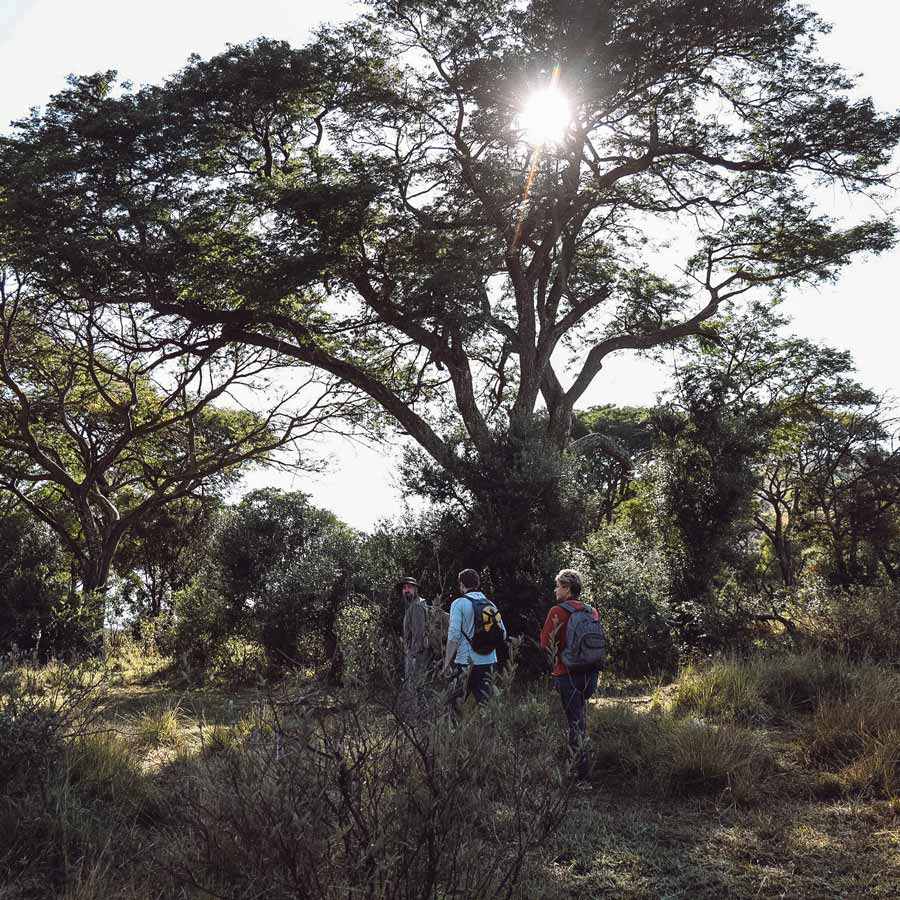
{"x":416,"y":650}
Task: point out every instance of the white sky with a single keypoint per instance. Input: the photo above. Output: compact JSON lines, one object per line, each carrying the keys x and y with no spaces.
{"x":42,"y":41}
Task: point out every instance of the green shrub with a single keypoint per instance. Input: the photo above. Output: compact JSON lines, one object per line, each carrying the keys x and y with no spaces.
{"x":30,"y":743}
{"x":627,"y":577}
{"x":658,"y":754}
{"x":238,"y":662}
{"x":202,"y":624}
{"x":39,"y":708}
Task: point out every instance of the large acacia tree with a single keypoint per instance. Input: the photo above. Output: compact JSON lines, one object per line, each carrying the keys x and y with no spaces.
{"x":370,"y":205}
{"x":104,"y":424}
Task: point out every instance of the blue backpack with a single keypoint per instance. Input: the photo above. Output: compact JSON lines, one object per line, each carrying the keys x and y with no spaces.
{"x":585,"y":649}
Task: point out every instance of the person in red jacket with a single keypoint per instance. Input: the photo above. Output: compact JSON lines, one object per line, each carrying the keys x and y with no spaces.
{"x":575,"y":688}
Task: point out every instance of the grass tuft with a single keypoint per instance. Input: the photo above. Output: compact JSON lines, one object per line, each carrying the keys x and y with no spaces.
{"x":161,"y":727}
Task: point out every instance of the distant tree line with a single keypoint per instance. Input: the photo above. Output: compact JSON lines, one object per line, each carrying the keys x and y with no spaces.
{"x":761,"y":489}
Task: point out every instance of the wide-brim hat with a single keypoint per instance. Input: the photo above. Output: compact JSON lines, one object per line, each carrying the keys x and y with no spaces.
{"x":406,"y":580}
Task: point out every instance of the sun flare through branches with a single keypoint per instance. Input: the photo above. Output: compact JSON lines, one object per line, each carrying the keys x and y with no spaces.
{"x":546,"y":115}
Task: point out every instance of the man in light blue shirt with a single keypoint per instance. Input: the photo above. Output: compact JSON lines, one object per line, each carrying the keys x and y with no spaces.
{"x":460,"y":656}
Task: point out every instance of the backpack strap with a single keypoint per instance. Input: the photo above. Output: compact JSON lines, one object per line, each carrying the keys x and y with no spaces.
{"x":462,"y":630}
{"x":567,"y":606}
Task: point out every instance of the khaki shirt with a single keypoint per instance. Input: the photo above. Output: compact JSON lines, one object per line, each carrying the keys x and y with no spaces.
{"x":415,"y":638}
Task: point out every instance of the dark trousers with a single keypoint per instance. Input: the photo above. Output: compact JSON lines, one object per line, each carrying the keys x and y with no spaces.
{"x":479,"y":683}
{"x":574,"y":690}
{"x":481,"y":680}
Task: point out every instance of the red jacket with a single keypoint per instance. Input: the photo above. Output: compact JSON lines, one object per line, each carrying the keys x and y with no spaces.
{"x":555,"y":626}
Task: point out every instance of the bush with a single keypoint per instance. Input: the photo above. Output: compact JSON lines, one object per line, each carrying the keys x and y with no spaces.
{"x":238,"y":662}
{"x":201,"y":625}
{"x":358,"y":797}
{"x":371,"y":653}
{"x":627,"y":578}
{"x":39,"y":708}
{"x":30,"y":742}
{"x":859,"y":622}
{"x":657,"y":754}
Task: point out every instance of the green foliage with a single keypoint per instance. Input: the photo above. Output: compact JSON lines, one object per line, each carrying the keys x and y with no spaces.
{"x":705,"y":478}
{"x":160,"y":554}
{"x":277,"y":575}
{"x":627,"y":576}
{"x":202,"y":623}
{"x":286,"y":569}
{"x":599,"y":480}
{"x":37,"y":613}
{"x":510,"y":526}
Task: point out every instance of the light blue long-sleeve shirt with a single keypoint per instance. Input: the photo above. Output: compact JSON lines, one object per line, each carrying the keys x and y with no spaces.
{"x":462,"y":627}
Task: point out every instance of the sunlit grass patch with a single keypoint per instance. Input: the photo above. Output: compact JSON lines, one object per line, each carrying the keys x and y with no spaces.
{"x":724,"y":690}
{"x":161,"y":727}
{"x":104,"y":768}
{"x":761,"y":690}
{"x":218,"y":738}
{"x":859,"y":737}
{"x":707,"y":759}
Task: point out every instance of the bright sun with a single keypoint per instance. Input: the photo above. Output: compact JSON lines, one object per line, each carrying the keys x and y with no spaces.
{"x":546,"y":116}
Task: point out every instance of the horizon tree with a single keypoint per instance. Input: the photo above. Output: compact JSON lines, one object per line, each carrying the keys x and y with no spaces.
{"x":827,"y":470}
{"x":387,"y":204}
{"x":103,"y":425}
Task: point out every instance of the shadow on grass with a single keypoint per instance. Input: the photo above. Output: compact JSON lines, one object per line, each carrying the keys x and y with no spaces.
{"x":621,"y":847}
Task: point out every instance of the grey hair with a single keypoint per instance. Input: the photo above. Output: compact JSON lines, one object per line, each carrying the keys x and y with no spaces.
{"x":571,"y":579}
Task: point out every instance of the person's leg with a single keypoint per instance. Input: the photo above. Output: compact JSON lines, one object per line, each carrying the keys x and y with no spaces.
{"x":591,"y":681}
{"x":407,"y":689}
{"x":572,"y":690}
{"x":480,"y":683}
{"x":590,"y":686}
{"x":457,"y":689}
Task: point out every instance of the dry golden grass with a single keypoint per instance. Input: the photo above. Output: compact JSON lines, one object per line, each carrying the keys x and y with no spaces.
{"x":692,"y":797}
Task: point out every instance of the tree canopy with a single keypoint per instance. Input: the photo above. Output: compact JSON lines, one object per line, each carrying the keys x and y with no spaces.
{"x":102,"y":424}
{"x":369,"y":204}
{"x":372,"y":205}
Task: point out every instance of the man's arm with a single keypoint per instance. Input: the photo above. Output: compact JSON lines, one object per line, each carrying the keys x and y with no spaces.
{"x":417,"y":627}
{"x":450,"y":655}
{"x":454,"y":632}
{"x":550,"y":634}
